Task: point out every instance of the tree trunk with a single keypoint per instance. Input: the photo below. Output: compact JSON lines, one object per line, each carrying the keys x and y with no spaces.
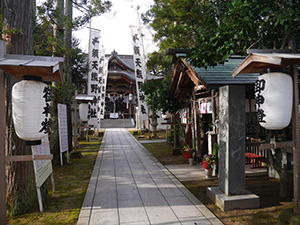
{"x":68,"y":65}
{"x":21,"y":193}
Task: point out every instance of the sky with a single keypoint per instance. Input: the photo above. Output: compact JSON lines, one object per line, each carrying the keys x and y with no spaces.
{"x":115,"y":28}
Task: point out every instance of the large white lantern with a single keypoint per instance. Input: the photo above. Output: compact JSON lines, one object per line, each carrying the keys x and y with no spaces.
{"x":274,"y":100}
{"x":31,"y":108}
{"x":84,"y":112}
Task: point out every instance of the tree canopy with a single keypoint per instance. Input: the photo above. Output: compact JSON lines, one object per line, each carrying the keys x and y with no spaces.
{"x":159,"y":98}
{"x":216,"y":29}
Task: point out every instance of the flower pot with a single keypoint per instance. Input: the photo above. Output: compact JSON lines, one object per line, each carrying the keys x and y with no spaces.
{"x":191,"y":161}
{"x":208,"y":173}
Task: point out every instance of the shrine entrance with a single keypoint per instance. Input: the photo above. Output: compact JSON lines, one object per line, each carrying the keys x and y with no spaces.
{"x":120,"y":101}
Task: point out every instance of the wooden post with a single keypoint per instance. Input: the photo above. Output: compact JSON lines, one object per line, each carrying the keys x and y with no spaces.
{"x":3,"y":219}
{"x":196,"y":128}
{"x":75,"y":123}
{"x":296,"y":136}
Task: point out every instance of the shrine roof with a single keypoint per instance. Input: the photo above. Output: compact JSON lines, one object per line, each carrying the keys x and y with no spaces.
{"x":19,"y":65}
{"x":221,"y":74}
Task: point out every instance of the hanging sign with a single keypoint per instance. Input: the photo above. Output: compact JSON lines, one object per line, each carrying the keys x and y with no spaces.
{"x":205,"y":107}
{"x":93,"y":61}
{"x":274,"y":100}
{"x":103,"y":71}
{"x":140,"y":70}
{"x":63,"y":130}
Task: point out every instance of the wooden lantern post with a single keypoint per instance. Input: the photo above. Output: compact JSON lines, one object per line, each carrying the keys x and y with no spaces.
{"x":46,"y":67}
{"x":256,"y":62}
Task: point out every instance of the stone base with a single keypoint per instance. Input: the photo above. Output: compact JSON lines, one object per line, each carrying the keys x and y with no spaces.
{"x":244,"y":201}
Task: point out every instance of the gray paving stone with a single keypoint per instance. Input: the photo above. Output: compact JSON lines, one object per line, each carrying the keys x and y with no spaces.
{"x":129,"y":186}
{"x":132,"y":210}
{"x":107,"y":217}
{"x":161,"y":215}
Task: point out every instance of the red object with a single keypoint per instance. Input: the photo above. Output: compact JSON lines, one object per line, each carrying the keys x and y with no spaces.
{"x":254,"y":159}
{"x":187,"y":155}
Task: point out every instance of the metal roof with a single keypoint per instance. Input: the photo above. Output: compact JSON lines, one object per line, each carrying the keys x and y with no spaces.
{"x":221,"y":74}
{"x":19,"y":65}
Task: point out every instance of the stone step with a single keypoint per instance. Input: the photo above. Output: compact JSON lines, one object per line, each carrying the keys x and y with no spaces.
{"x":117,"y":123}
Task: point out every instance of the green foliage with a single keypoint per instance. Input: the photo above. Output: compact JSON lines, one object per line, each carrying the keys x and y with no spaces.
{"x":47,"y":13}
{"x":215,"y":149}
{"x":159,"y":64}
{"x":159,"y":98}
{"x":170,"y":136}
{"x":214,"y":30}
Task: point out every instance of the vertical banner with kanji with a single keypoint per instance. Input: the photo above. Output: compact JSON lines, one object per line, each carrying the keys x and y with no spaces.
{"x":103,"y":70}
{"x":93,"y":61}
{"x":140,"y":71}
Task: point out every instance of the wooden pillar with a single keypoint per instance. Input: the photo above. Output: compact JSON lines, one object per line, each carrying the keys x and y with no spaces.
{"x":3,"y":219}
{"x":196,"y":128}
{"x":296,"y":136}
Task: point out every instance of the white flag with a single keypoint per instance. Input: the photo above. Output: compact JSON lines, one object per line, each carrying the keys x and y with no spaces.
{"x":140,"y":71}
{"x":93,"y":62}
{"x":103,"y":71}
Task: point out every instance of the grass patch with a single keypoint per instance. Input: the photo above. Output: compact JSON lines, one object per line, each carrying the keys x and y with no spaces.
{"x":71,"y":181}
{"x":164,"y":153}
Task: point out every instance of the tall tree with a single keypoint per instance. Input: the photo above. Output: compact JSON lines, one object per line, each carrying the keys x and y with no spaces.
{"x":18,"y":16}
{"x":214,"y":30}
{"x":57,"y":14}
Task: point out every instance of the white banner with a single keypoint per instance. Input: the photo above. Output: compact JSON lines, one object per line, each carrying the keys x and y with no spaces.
{"x":93,"y":62}
{"x":103,"y":71}
{"x":140,"y":71}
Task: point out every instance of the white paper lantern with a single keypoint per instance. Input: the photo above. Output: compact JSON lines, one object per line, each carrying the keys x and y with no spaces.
{"x":84,"y":112}
{"x":130,"y":97}
{"x":274,"y":100}
{"x":31,"y":107}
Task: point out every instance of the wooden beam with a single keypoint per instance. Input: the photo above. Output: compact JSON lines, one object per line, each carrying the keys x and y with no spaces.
{"x":251,"y":51}
{"x":22,"y":158}
{"x":257,"y":63}
{"x":180,"y":79}
{"x":193,"y":78}
{"x":198,"y":79}
{"x":174,"y":79}
{"x":277,"y":145}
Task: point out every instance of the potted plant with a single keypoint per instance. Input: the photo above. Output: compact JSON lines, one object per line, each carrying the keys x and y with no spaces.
{"x":207,"y":164}
{"x":188,"y":154}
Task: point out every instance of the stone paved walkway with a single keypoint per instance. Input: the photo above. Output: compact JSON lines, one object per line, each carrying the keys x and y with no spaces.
{"x":129,"y":186}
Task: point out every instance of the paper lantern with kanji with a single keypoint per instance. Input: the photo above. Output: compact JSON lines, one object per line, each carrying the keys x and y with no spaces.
{"x":31,"y":107}
{"x":274,"y":100}
{"x":84,"y":112}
